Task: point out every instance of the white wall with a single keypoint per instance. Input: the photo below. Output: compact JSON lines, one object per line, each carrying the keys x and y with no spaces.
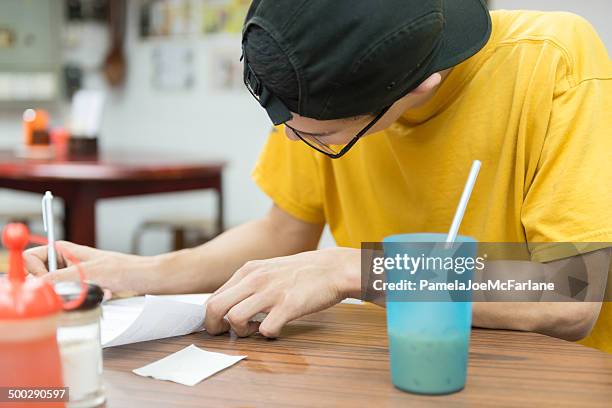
{"x":228,"y":125}
{"x":219,"y":124}
{"x":598,"y":12}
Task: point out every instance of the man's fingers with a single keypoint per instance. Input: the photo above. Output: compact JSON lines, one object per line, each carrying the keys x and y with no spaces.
{"x":108,"y":295}
{"x":34,"y":264}
{"x":67,"y":249}
{"x":274,"y":322}
{"x":36,"y":258}
{"x":252,"y":329}
{"x":239,"y":317}
{"x":218,"y":305}
{"x":66,"y":274}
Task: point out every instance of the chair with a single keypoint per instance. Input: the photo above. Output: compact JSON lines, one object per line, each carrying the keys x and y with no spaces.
{"x":24,"y":217}
{"x":186,"y":232}
{"x":31,"y":219}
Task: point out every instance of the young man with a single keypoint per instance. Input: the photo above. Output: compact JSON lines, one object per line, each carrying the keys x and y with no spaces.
{"x":392,"y":100}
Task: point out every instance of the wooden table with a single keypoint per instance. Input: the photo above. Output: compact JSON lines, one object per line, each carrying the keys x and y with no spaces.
{"x":82,"y":181}
{"x":339,"y":357}
{"x":3,"y":261}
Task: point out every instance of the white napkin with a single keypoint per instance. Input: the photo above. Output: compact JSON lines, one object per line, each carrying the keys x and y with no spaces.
{"x":188,"y":366}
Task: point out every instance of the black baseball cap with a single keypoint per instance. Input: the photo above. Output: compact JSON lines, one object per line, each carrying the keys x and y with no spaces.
{"x":356,"y":57}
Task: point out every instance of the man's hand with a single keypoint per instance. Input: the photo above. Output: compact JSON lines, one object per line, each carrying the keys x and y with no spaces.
{"x":286,"y":288}
{"x":196,"y":270}
{"x":107,"y":269}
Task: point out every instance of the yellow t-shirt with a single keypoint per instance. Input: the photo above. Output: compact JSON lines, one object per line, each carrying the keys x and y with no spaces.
{"x":535,"y":106}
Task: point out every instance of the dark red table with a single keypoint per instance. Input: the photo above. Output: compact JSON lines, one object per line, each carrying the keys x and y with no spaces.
{"x":81,"y":181}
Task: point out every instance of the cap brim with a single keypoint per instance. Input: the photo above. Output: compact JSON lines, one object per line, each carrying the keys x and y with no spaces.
{"x":466,"y":31}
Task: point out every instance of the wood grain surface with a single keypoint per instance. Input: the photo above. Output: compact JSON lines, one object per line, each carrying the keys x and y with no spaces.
{"x":339,"y":357}
{"x":3,"y":261}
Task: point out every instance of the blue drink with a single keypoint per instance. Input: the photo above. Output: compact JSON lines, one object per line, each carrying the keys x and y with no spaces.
{"x":429,"y":331}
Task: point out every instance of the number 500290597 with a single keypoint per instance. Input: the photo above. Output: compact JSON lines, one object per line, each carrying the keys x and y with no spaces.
{"x":8,"y":394}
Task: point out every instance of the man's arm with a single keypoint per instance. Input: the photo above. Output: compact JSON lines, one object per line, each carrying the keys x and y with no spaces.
{"x":564,"y":320}
{"x":210,"y":265}
{"x":201,"y":269}
{"x":554,"y":314}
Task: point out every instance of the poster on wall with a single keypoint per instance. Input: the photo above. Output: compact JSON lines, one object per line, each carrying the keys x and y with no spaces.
{"x":225,"y":68}
{"x":173,"y":67}
{"x":176,"y":18}
{"x":224,"y":16}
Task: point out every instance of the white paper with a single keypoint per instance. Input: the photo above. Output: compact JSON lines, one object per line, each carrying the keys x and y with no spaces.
{"x":352,"y":301}
{"x":188,"y":366}
{"x":144,"y":318}
{"x":148,"y":317}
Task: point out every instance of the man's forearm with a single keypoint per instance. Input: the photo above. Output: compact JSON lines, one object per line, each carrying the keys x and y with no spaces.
{"x":557,"y":313}
{"x":569,"y":321}
{"x":205,"y":268}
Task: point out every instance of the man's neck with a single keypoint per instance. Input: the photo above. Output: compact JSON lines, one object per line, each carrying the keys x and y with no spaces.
{"x":421,"y":100}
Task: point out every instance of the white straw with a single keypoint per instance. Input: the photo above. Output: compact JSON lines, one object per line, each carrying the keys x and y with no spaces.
{"x":465,"y":198}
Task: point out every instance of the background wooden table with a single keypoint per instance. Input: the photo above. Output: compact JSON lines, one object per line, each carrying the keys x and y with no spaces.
{"x":81,"y":181}
{"x":339,"y":357}
{"x":3,"y":261}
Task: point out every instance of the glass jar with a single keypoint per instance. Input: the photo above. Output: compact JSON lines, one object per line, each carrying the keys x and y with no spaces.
{"x":78,"y":336}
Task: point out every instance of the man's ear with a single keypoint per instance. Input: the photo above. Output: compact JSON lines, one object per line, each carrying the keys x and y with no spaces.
{"x":430,"y":83}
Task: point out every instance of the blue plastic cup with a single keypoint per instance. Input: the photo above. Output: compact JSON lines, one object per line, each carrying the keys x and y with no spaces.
{"x":429,"y":332}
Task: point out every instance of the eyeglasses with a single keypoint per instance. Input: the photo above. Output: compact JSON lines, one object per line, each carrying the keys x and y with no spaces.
{"x":335,"y":153}
{"x":279,"y":113}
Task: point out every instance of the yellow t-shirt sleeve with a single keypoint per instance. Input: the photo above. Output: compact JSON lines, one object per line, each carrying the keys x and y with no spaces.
{"x":288,"y":173}
{"x":570,"y":198}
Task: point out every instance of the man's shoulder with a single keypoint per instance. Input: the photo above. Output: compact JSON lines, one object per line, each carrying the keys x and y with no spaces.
{"x":563,"y":28}
{"x":571,"y":36}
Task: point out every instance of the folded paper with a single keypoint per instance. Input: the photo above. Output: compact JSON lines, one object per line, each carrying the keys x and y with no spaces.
{"x":147,"y":318}
{"x":188,"y":366}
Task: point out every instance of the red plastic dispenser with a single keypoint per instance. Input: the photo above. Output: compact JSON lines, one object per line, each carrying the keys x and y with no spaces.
{"x":29,"y":311}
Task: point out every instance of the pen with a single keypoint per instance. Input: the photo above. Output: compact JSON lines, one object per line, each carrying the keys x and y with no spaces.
{"x":48,"y":224}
